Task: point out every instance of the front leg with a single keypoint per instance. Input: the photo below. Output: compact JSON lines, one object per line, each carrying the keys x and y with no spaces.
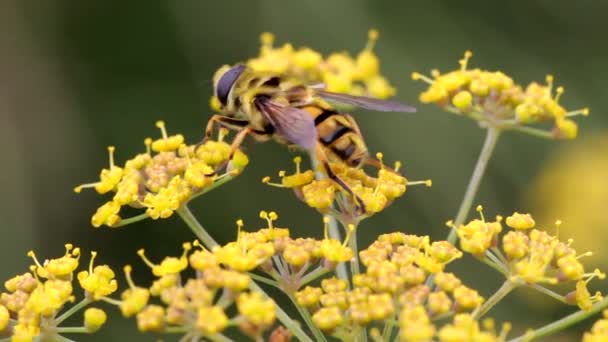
{"x":223,"y":121}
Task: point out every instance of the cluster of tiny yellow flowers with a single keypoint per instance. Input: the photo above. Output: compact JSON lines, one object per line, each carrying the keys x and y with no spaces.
{"x":339,"y":72}
{"x":372,"y":194}
{"x":199,"y":306}
{"x":392,"y":287}
{"x":284,"y":259}
{"x":529,"y":256}
{"x":33,"y":306}
{"x":494,"y":99}
{"x":599,"y":331}
{"x":165,"y":177}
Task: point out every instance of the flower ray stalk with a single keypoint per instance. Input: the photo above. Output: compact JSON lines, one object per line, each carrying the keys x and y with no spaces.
{"x":492,"y":135}
{"x":200,"y":232}
{"x":501,"y":293}
{"x":308,"y":319}
{"x":84,"y":302}
{"x":563,"y":323}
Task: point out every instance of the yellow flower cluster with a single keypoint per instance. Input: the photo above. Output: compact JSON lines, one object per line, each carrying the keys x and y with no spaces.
{"x":494,"y":99}
{"x":196,"y":306}
{"x":339,"y":72}
{"x":393,"y":284}
{"x":415,"y":325}
{"x":372,"y":194}
{"x":36,"y":299}
{"x":164,"y":178}
{"x":599,"y":331}
{"x":274,"y":252}
{"x":528,"y":256}
{"x":464,"y":328}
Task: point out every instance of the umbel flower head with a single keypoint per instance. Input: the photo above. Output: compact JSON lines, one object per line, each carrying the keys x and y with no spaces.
{"x":371,"y":194}
{"x":197,"y":306}
{"x":397,"y":267}
{"x":36,"y":301}
{"x":339,"y":71}
{"x":526,"y":256}
{"x":494,"y":99}
{"x":165,"y":177}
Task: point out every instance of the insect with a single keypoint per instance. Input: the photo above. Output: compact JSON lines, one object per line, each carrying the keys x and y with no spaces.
{"x":266,"y":105}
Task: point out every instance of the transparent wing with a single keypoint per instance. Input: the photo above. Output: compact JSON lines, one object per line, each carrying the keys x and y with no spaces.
{"x":294,"y":124}
{"x":366,"y":102}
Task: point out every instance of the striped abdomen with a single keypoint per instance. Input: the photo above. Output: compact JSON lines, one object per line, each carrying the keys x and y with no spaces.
{"x":339,"y":134}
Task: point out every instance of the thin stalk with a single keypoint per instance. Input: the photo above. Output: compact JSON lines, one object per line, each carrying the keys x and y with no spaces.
{"x":221,"y":338}
{"x":56,"y":338}
{"x":504,"y":290}
{"x":213,"y":186}
{"x":265,"y":280}
{"x":72,"y":330}
{"x":563,"y":323}
{"x":334,"y":230}
{"x":492,"y":135}
{"x":354,"y":262}
{"x":84,"y":302}
{"x":209,"y":242}
{"x":495,"y":266}
{"x":549,"y":293}
{"x":196,"y":228}
{"x":130,"y":220}
{"x":306,"y":316}
{"x":287,"y":321}
{"x":533,"y":132}
{"x":317,"y":273}
{"x":387,"y":332}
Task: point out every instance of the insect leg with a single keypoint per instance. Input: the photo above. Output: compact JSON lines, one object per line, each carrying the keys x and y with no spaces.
{"x":240,"y":137}
{"x":334,"y":177}
{"x":224,"y":121}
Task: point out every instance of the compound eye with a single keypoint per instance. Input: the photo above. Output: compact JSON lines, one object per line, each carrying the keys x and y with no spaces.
{"x":224,"y":85}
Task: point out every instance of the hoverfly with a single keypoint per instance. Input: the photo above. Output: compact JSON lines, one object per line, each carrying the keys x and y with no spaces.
{"x":266,"y":105}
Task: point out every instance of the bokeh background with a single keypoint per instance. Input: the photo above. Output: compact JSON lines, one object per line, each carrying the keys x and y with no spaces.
{"x":77,"y":76}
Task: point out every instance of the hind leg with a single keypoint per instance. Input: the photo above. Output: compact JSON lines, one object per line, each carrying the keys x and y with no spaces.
{"x":321,"y":156}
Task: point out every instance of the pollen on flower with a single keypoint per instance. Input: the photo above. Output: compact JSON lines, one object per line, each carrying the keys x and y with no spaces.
{"x":94,"y":319}
{"x":165,"y":177}
{"x":38,"y":301}
{"x":98,"y":281}
{"x":496,"y":100}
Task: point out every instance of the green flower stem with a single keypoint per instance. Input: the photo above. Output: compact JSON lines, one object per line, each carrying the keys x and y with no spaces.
{"x":504,"y":290}
{"x":177,"y":329}
{"x":287,"y":321}
{"x":72,"y":330}
{"x":224,"y":179}
{"x":387,"y":332}
{"x":533,"y":132}
{"x":354,"y":262}
{"x":54,"y":338}
{"x":319,"y":337}
{"x":265,"y":280}
{"x":492,"y":135}
{"x":198,"y":230}
{"x":495,"y":266}
{"x":549,"y":293}
{"x":334,"y":230}
{"x":84,"y":302}
{"x":130,"y":220}
{"x":221,"y":338}
{"x":317,"y":273}
{"x":563,"y":323}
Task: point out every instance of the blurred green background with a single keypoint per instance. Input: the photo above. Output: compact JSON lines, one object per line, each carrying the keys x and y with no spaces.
{"x":80,"y":75}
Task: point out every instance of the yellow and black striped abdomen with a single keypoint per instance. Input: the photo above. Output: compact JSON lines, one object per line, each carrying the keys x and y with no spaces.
{"x":339,"y":134}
